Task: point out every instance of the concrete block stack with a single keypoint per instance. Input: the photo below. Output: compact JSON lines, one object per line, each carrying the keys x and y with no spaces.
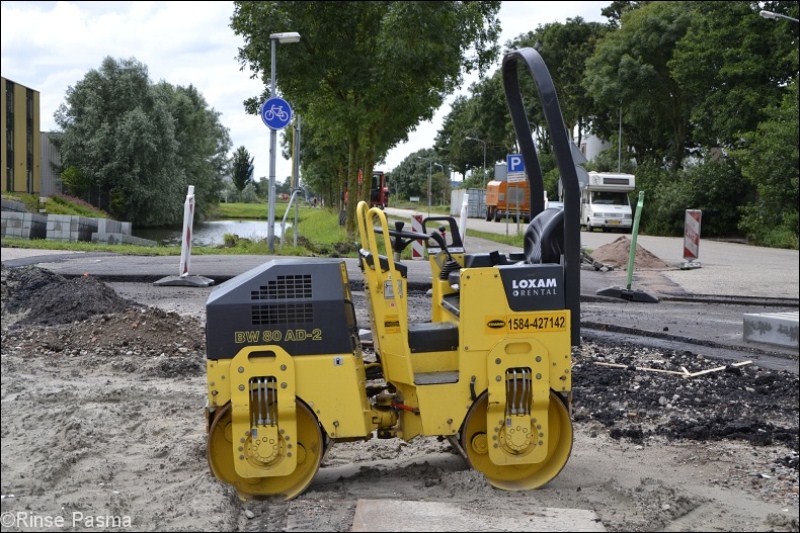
{"x":70,"y":228}
{"x":12,"y":205}
{"x":116,"y":232}
{"x":66,"y":228}
{"x":24,"y":225}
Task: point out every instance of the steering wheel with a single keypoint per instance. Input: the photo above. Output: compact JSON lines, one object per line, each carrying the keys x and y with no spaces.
{"x":403,"y":238}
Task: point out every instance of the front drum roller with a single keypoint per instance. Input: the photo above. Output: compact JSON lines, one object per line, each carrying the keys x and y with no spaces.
{"x":475,"y":442}
{"x":310,"y":449}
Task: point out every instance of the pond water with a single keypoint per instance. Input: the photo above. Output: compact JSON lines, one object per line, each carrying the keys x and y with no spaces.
{"x":212,"y":232}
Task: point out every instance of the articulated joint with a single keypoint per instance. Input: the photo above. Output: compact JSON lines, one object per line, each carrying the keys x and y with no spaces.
{"x":383,"y":418}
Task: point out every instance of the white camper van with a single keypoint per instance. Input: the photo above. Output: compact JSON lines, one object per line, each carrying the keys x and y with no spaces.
{"x":605,"y":203}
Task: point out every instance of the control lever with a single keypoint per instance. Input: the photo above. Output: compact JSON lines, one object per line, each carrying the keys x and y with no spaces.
{"x":439,"y":238}
{"x":450,"y":265}
{"x":398,"y":245}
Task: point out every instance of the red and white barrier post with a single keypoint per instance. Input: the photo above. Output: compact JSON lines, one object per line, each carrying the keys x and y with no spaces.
{"x":691,"y":239}
{"x":183,"y":278}
{"x":417,"y":247}
{"x":463,"y":219}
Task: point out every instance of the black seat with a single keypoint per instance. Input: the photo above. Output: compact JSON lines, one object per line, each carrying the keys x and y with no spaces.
{"x":433,"y":337}
{"x":544,"y":238}
{"x":477,"y":261}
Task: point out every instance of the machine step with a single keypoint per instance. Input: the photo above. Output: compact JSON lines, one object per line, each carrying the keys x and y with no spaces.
{"x":435,"y":378}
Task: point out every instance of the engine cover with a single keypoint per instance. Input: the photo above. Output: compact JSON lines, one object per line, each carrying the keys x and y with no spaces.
{"x":303,"y":306}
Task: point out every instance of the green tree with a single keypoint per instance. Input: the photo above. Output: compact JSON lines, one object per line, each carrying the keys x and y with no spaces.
{"x":482,"y":116}
{"x":734,"y":65}
{"x":203,"y":144}
{"x":285,"y":187}
{"x":712,"y":184}
{"x":249,"y":194}
{"x":323,"y":159}
{"x":242,"y":168}
{"x":451,"y":141}
{"x":262,"y":186}
{"x":771,"y":163}
{"x":121,"y":141}
{"x":566,"y":47}
{"x":365,"y":73}
{"x":76,"y":183}
{"x":614,"y":11}
{"x":410,"y":177}
{"x":630,"y":71}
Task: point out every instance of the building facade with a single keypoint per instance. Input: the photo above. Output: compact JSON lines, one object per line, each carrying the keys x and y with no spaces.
{"x":51,"y":163}
{"x":21,"y":139}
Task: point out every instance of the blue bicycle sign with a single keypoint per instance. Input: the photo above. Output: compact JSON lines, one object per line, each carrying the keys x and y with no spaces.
{"x":276,"y":113}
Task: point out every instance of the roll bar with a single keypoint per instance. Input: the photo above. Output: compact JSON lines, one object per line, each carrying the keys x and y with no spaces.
{"x":566,"y":165}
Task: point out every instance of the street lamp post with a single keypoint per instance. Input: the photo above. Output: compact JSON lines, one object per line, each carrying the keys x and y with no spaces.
{"x":429,"y":187}
{"x":484,"y":156}
{"x":770,"y":15}
{"x":285,"y":38}
{"x":430,"y":169}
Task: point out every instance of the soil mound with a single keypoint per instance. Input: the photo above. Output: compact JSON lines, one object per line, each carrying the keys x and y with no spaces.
{"x":32,"y":295}
{"x":90,"y":321}
{"x":618,"y":253}
{"x":146,"y":342}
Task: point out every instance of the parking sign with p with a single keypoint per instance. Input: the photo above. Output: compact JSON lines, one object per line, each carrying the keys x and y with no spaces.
{"x":515,"y":166}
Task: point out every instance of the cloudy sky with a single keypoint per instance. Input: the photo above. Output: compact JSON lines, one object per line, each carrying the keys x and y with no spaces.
{"x":50,"y":46}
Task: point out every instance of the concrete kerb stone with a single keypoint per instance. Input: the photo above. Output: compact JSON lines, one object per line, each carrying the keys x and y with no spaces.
{"x":381,"y":515}
{"x":772,"y":328}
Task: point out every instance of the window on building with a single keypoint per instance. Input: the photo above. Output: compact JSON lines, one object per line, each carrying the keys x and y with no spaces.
{"x":9,"y":125}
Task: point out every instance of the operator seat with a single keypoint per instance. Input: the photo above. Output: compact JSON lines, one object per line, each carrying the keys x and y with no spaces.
{"x":544,"y":238}
{"x":544,"y":243}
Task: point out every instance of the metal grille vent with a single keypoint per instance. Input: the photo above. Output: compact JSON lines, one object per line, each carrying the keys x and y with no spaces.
{"x":284,"y":288}
{"x":282,"y":314}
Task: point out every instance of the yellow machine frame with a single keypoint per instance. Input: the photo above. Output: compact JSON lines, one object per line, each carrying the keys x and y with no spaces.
{"x":485,"y":354}
{"x":508,"y":377}
{"x":492,"y":375}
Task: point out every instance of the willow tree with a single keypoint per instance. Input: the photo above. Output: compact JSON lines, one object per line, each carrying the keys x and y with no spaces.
{"x":366,"y":73}
{"x":132,"y":147}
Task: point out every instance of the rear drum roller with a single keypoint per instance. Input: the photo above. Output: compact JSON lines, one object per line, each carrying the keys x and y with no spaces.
{"x":476,"y":441}
{"x":310,"y":449}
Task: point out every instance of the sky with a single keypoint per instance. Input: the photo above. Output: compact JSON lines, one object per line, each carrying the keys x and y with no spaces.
{"x":51,"y":46}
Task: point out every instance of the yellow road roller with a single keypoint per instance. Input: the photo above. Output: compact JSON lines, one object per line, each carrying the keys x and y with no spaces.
{"x":490,"y":370}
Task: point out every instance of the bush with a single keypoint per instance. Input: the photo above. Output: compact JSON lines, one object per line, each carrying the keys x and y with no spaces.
{"x":715,"y":186}
{"x":782,"y":235}
{"x":719,"y":190}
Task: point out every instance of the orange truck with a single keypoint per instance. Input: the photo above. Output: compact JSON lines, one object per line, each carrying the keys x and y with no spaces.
{"x":504,"y":199}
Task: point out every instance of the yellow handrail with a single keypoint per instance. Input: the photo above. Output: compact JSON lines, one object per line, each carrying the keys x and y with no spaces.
{"x":366,"y":219}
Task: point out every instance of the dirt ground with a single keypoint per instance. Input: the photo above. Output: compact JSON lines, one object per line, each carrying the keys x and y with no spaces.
{"x":103,"y":428}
